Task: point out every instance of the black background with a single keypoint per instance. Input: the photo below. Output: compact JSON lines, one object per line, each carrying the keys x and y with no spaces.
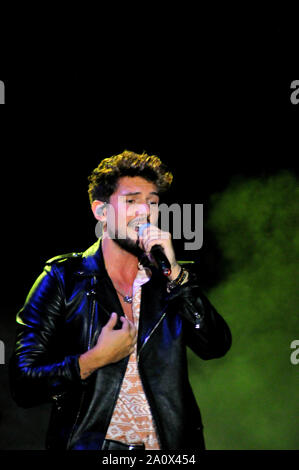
{"x":213,"y":101}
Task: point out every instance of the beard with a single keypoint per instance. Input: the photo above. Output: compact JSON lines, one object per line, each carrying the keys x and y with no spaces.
{"x":132,"y":247}
{"x":127,"y":244}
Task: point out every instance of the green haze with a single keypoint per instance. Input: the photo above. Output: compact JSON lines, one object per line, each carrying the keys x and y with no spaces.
{"x":249,"y":398}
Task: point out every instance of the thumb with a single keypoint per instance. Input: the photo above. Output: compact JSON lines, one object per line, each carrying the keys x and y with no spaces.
{"x":112,"y":320}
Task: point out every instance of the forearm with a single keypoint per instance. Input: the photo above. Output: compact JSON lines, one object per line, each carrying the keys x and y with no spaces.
{"x":175,"y":271}
{"x":89,"y":363}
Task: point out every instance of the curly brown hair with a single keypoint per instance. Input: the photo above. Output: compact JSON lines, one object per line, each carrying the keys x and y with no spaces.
{"x":104,"y":179}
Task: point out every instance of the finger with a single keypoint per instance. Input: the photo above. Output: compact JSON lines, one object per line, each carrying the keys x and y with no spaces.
{"x":154,"y":232}
{"x":152,"y":242}
{"x":149,"y":232}
{"x":125,"y":322}
{"x":131,"y":325}
{"x":155,"y":239}
{"x":133,"y":333}
{"x":134,"y":341}
{"x":132,"y":329}
{"x":112,"y":321}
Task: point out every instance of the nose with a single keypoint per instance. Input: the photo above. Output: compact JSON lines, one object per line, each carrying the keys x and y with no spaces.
{"x":142,"y":210}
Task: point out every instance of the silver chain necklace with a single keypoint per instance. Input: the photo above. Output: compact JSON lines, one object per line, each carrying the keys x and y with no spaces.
{"x":126,"y":298}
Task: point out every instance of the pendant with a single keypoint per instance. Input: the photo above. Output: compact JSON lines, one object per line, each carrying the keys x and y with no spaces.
{"x":128,"y":299}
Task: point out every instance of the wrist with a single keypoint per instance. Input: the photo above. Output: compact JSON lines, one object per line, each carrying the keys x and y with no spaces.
{"x":181,"y":278}
{"x":175,"y":271}
{"x":89,"y":362}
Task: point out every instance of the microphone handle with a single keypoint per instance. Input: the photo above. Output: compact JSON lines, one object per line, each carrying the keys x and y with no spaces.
{"x":161,"y":259}
{"x":158,"y":254}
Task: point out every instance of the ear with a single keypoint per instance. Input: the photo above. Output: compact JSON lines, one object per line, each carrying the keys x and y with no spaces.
{"x":99,"y":210}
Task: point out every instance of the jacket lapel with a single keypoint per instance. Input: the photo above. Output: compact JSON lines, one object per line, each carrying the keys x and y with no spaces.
{"x":152,"y":307}
{"x":107,"y":300}
{"x":153,"y":297}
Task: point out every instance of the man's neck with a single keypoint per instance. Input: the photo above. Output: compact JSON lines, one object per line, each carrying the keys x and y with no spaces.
{"x":120,"y":264}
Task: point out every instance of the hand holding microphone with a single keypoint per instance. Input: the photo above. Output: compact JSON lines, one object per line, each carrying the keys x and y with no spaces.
{"x":158,"y":246}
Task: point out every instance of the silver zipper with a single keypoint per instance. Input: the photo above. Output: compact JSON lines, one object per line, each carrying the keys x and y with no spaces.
{"x":93,"y":305}
{"x":151,"y":333}
{"x":138,"y":355}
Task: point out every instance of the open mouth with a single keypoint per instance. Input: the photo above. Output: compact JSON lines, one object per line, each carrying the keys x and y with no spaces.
{"x":136,"y":224}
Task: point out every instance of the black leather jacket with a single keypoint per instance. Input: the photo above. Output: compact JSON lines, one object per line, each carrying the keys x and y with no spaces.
{"x":62,"y":317}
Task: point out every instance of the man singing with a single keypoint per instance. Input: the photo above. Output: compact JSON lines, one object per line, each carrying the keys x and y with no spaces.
{"x":103,"y":333}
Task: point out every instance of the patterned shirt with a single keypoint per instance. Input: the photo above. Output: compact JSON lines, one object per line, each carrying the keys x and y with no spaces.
{"x":132,"y":421}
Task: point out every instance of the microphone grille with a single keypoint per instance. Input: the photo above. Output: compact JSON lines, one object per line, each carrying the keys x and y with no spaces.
{"x":142,"y":228}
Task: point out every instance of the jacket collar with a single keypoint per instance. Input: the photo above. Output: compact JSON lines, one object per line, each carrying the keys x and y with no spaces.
{"x":93,"y":261}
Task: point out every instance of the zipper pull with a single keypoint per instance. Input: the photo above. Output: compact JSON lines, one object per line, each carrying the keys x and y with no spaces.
{"x":198,"y":318}
{"x":92,"y":291}
{"x":57,"y":401}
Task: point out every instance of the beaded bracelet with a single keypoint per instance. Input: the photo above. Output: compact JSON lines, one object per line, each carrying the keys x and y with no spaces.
{"x":178,"y":281}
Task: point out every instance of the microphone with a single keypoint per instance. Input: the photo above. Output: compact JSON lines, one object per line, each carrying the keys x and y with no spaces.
{"x":158,"y":254}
